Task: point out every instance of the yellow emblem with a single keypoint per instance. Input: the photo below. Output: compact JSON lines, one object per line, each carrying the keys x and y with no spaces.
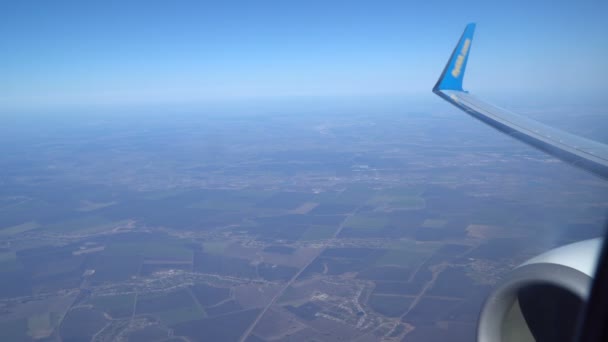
{"x":460,"y":59}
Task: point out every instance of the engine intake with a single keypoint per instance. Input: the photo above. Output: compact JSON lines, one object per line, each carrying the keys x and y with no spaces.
{"x":541,"y":300}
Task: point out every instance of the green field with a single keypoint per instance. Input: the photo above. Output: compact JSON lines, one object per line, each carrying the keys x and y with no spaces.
{"x":406,"y":253}
{"x":232,"y":200}
{"x":80,"y":324}
{"x":87,"y":224}
{"x":8,"y":262}
{"x":399,"y":202}
{"x":87,"y":206}
{"x":171,"y":308}
{"x":366,"y":221}
{"x":162,"y":194}
{"x":404,"y":191}
{"x":59,"y":266}
{"x":174,"y":250}
{"x":356,"y":194}
{"x":42,"y":325}
{"x":14,"y":330}
{"x":183,"y":314}
{"x":20,"y":228}
{"x":434,"y":223}
{"x":115,"y":306}
{"x":215,"y":247}
{"x":391,"y":306}
{"x":8,"y":256}
{"x":223,"y":204}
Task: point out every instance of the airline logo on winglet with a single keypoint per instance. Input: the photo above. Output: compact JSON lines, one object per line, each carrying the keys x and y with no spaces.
{"x":461,"y":58}
{"x":453,"y":72}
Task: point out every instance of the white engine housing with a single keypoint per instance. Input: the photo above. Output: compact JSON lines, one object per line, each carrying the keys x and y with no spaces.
{"x":541,"y":299}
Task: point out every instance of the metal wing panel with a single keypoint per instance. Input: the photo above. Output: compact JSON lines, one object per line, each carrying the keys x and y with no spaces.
{"x":587,"y":154}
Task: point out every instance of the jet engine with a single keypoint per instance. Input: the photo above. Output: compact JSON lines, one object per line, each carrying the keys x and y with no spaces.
{"x":541,"y":299}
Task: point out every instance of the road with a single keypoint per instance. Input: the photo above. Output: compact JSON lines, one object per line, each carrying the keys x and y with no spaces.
{"x":284,"y":288}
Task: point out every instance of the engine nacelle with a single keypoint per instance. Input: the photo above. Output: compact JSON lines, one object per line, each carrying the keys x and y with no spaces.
{"x":541,"y":300}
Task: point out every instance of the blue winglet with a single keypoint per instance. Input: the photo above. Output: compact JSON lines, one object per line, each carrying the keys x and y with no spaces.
{"x":452,"y":75}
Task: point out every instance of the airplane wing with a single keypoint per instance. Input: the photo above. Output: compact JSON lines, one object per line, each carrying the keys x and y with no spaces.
{"x":586,"y":154}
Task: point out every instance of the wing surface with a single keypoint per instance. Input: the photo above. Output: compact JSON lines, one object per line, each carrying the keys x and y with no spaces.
{"x":584,"y":153}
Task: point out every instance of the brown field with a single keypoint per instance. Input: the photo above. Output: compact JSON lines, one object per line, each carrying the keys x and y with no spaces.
{"x":86,"y":206}
{"x":482,"y":231}
{"x":278,"y":323}
{"x":305,"y":208}
{"x":89,"y":250}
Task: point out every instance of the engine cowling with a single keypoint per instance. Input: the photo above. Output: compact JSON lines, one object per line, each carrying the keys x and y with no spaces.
{"x":541,"y":299}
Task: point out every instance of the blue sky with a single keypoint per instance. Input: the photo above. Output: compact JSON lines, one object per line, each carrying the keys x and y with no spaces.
{"x":57,"y":53}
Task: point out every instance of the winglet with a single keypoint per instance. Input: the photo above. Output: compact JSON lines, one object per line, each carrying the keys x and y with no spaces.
{"x":453,"y":73}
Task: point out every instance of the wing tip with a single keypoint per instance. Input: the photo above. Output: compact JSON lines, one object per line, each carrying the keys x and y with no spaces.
{"x":453,"y":73}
